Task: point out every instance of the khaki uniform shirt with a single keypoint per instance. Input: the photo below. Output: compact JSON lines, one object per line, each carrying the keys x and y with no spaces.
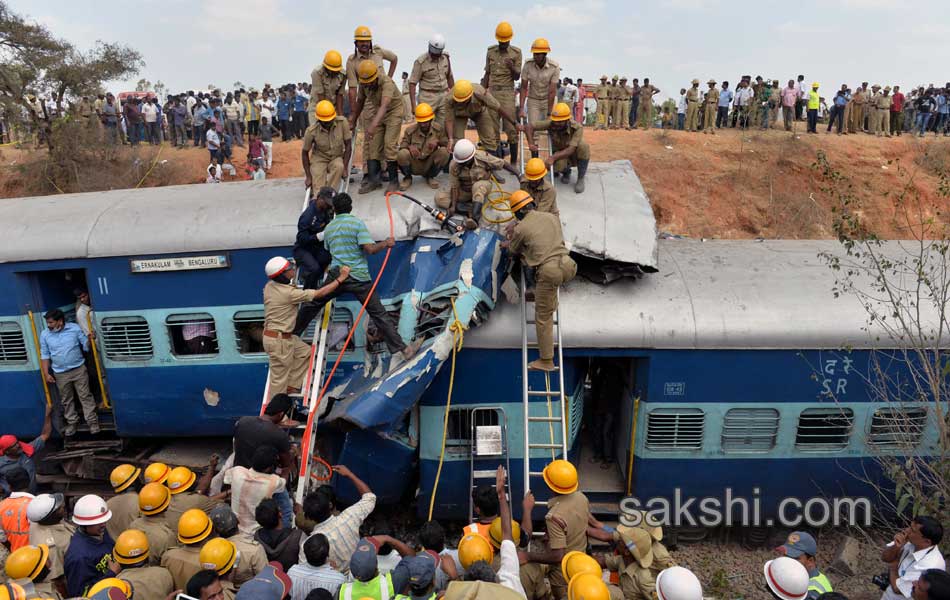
{"x":566,"y":521}
{"x":540,"y":79}
{"x":661,"y":558}
{"x":712,"y":97}
{"x":253,"y":558}
{"x":182,"y":563}
{"x":228,"y":589}
{"x":692,"y":95}
{"x":646,"y":93}
{"x":478,"y":169}
{"x":572,"y":135}
{"x":149,"y":583}
{"x":378,"y":55}
{"x":373,"y":98}
{"x":544,"y":196}
{"x":425,"y":143}
{"x":623,"y":92}
{"x":45,"y":590}
{"x":125,"y":509}
{"x":499,"y":75}
{"x":186,"y":501}
{"x":160,"y":536}
{"x":481,"y":99}
{"x":327,"y":143}
{"x":613,"y":92}
{"x":57,"y":537}
{"x":636,"y":583}
{"x":325,"y":85}
{"x":884,"y":102}
{"x":280,"y":305}
{"x":859,"y":97}
{"x":432,"y":74}
{"x":603,"y":92}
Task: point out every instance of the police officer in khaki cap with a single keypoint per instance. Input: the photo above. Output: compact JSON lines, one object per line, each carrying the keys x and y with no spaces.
{"x":603,"y":103}
{"x":712,"y":103}
{"x":693,"y":98}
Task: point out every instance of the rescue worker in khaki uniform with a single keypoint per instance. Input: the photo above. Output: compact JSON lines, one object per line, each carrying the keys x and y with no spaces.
{"x":472,"y":101}
{"x":568,"y":147}
{"x":538,"y":238}
{"x":326,"y":149}
{"x":625,"y":96}
{"x":712,"y":103}
{"x":154,"y":500}
{"x":432,"y":72}
{"x":693,"y":99}
{"x":194,"y":530}
{"x":568,"y":510}
{"x":423,"y":150}
{"x":633,"y":562}
{"x":645,"y":108}
{"x":535,"y":181}
{"x":253,"y":557}
{"x":30,"y":566}
{"x":871,"y":110}
{"x":132,"y":552}
{"x":222,"y":557}
{"x":615,"y":103}
{"x":364,"y":49}
{"x":538,"y":85}
{"x":502,"y":70}
{"x":470,"y":181}
{"x":603,"y":103}
{"x":48,"y":526}
{"x":288,"y":356}
{"x":380,"y":97}
{"x":125,"y":504}
{"x":327,"y":82}
{"x":884,"y":112}
{"x":858,"y":101}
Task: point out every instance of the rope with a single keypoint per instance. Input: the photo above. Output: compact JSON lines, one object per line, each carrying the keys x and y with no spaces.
{"x":154,"y":162}
{"x":458,"y":338}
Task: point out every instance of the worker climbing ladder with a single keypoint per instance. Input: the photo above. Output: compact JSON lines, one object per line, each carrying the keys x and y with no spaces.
{"x":489,"y":450}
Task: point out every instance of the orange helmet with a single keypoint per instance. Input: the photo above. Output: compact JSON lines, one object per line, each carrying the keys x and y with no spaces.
{"x":362,"y":34}
{"x":535,"y":169}
{"x":519,"y":199}
{"x":333,"y":61}
{"x":561,"y":112}
{"x":540,"y":46}
{"x":561,"y":476}
{"x":367,"y":71}
{"x":424,"y":113}
{"x":504,"y":33}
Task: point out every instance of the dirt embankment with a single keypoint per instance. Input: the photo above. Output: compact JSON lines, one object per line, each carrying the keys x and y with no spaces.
{"x":729,"y":185}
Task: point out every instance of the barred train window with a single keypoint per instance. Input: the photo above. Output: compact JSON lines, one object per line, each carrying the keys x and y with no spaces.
{"x":12,"y":344}
{"x":192,"y":334}
{"x":824,"y":429}
{"x":249,"y":331}
{"x":458,"y":437}
{"x":897,"y":427}
{"x":126,"y":338}
{"x":749,"y":429}
{"x":675,"y":429}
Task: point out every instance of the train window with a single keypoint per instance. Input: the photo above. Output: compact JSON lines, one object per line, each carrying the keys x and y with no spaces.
{"x":192,"y":334}
{"x":12,"y":344}
{"x":824,"y":428}
{"x":897,"y":427}
{"x":126,"y":338}
{"x":675,"y":429}
{"x":249,"y":331}
{"x":749,"y":429}
{"x":458,"y":436}
{"x":339,"y":329}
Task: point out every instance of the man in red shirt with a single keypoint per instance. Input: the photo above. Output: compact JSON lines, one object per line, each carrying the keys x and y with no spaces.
{"x":897,"y":111}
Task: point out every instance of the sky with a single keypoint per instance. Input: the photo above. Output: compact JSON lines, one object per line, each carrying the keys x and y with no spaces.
{"x":189,"y":45}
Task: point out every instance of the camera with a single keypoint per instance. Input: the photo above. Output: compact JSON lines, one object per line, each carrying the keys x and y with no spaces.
{"x":882,"y":580}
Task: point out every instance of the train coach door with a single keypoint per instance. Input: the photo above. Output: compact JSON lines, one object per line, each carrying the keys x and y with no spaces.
{"x":41,"y":291}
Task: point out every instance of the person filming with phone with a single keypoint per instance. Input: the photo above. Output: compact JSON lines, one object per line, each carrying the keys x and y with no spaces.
{"x":913,"y":551}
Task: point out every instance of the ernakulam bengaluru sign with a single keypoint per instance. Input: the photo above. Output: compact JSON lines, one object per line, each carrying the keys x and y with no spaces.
{"x":179,"y":263}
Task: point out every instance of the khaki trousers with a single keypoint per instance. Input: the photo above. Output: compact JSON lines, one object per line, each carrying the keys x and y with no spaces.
{"x":857,"y":119}
{"x":616,"y":110}
{"x":603,"y":113}
{"x":874,"y":122}
{"x":625,"y":114}
{"x":645,"y":114}
{"x":325,"y":171}
{"x":538,"y":110}
{"x":467,"y":200}
{"x":289,"y":361}
{"x":385,"y":143}
{"x":692,"y":116}
{"x":434,"y":99}
{"x":709,"y":118}
{"x":582,"y":153}
{"x":439,"y":158}
{"x":884,"y":122}
{"x":550,"y":276}
{"x":505,"y":97}
{"x":484,"y":125}
{"x":533,"y":581}
{"x":74,"y":384}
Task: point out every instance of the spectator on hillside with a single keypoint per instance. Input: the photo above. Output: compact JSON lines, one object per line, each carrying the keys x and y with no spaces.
{"x":284,"y":109}
{"x":133,"y":120}
{"x":300,"y":100}
{"x":267,"y":139}
{"x":176,"y":121}
{"x":722,"y":108}
{"x":681,"y":106}
{"x":110,"y":119}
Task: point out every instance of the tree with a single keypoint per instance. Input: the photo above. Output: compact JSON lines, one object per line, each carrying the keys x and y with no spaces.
{"x":143,"y":85}
{"x":83,"y":73}
{"x":238,"y":85}
{"x":160,"y":88}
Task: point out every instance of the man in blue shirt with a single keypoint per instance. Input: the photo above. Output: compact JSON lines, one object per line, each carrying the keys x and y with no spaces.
{"x":61,"y":348}
{"x":722,"y":109}
{"x":16,"y":454}
{"x":300,"y":113}
{"x":285,"y":107}
{"x":349,"y":241}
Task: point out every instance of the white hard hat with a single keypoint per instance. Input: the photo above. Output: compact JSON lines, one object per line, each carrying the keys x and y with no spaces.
{"x":43,"y":506}
{"x":437,"y":43}
{"x":464,"y":150}
{"x":276,"y":266}
{"x":91,"y":510}
{"x":787,"y":578}
{"x":677,"y":583}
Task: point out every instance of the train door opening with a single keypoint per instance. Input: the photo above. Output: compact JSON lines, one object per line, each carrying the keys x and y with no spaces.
{"x":66,"y":290}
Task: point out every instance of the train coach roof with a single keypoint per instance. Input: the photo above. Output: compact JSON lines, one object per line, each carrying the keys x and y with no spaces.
{"x":729,"y":294}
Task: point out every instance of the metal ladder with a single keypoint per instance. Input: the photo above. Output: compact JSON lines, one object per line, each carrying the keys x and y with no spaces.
{"x":554,"y":418}
{"x":522,"y":146}
{"x":489,"y":448}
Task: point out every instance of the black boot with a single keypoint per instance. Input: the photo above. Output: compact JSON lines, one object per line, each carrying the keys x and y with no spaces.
{"x":581,"y":172}
{"x":535,"y":154}
{"x":406,"y":177}
{"x":371,"y":177}
{"x":566,"y":176}
{"x":431,"y":175}
{"x":392,"y":169}
{"x":513,"y":153}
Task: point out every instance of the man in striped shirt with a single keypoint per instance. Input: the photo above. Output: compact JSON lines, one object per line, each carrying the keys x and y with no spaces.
{"x":315,"y":573}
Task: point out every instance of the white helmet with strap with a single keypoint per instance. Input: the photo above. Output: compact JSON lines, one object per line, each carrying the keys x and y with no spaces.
{"x":437,"y":43}
{"x":91,"y":510}
{"x":787,"y":578}
{"x":678,"y":583}
{"x":276,"y":266}
{"x":464,"y":150}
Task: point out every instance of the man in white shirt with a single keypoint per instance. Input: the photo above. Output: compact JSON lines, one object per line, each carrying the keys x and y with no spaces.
{"x":570,"y":94}
{"x":913,"y":551}
{"x":509,"y":570}
{"x":681,"y":110}
{"x":250,"y":486}
{"x":84,"y":313}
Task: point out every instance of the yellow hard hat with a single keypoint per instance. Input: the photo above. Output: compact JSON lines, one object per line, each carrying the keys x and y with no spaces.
{"x":494,"y":532}
{"x":561,"y":112}
{"x":193,"y":526}
{"x":504,"y":32}
{"x":518,"y":200}
{"x":123,"y":476}
{"x":462,"y":90}
{"x":814,"y":84}
{"x":333,"y":61}
{"x":576,"y":562}
{"x":218,"y":555}
{"x":180,"y":479}
{"x":535,"y":169}
{"x":540,"y":46}
{"x":362,"y":34}
{"x":367,"y":71}
{"x":154,"y":498}
{"x":131,"y":547}
{"x":424,"y":113}
{"x":27,"y":562}
{"x":473,"y":548}
{"x":561,"y":476}
{"x":157,"y":472}
{"x":12,"y":591}
{"x":325,"y":111}
{"x":587,"y":586}
{"x":111,"y":582}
